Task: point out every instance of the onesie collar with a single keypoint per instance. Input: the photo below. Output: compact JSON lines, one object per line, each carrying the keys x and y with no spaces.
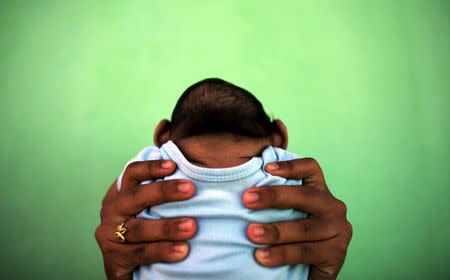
{"x":211,"y":174}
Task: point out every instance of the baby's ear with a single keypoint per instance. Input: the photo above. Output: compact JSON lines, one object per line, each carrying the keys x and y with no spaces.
{"x":280,"y":137}
{"x":162,"y":133}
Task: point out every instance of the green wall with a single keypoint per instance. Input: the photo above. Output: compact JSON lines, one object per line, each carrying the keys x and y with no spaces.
{"x":363,"y":86}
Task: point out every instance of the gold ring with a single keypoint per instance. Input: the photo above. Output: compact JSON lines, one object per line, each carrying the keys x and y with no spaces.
{"x":121,"y":231}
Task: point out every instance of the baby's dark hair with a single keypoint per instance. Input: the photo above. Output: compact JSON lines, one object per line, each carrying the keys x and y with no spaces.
{"x":214,"y":105}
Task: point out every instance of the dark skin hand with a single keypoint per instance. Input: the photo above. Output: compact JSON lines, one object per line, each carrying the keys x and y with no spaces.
{"x":148,"y":241}
{"x":320,"y":240}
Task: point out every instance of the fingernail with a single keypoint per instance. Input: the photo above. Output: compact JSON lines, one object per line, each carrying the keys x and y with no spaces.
{"x":180,"y":248}
{"x":258,"y":231}
{"x":262,"y":253}
{"x":185,"y":225}
{"x":166,"y":164}
{"x":184,"y":187}
{"x":273,"y":166}
{"x":251,"y":197}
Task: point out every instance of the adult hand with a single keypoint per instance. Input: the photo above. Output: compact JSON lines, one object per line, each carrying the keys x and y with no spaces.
{"x":320,"y":240}
{"x":147,"y":241}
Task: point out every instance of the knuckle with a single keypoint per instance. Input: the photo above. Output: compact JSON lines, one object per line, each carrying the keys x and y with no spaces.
{"x":303,"y":227}
{"x":332,"y":229}
{"x":275,"y":233}
{"x":107,"y":250}
{"x":150,"y":166}
{"x":106,"y":212}
{"x":349,"y":229}
{"x":164,"y":191}
{"x":279,"y":256}
{"x":102,"y":213}
{"x":166,"y":228}
{"x":115,"y":273}
{"x":341,"y":207}
{"x":304,"y":251}
{"x":134,"y":192}
{"x":289,"y":165}
{"x":140,"y":252}
{"x":162,"y":251}
{"x":271,"y":195}
{"x":99,"y":235}
{"x":135,"y":228}
{"x":329,"y":272}
{"x":119,"y":275}
{"x":308,"y":192}
{"x":132,"y":166}
{"x":312,"y":162}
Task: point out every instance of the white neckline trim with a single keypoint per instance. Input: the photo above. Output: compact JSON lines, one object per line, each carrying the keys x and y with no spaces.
{"x":211,"y":174}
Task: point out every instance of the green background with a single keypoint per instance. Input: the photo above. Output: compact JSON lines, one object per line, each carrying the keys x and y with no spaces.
{"x":363,"y":87}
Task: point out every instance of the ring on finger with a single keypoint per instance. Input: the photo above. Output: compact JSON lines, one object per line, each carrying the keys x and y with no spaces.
{"x":121,"y":231}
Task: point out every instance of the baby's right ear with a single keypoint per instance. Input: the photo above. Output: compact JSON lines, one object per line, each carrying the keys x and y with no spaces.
{"x":162,"y":133}
{"x":280,"y":137}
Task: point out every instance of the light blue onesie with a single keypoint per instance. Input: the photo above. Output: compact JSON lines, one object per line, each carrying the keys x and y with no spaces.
{"x":220,"y":248}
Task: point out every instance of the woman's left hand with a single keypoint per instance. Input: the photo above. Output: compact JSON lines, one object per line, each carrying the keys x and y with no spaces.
{"x":320,"y":240}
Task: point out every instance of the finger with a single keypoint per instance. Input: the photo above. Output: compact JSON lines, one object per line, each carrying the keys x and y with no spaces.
{"x":303,"y":198}
{"x":309,"y":229}
{"x":137,"y":199}
{"x":148,"y":253}
{"x":148,"y":230}
{"x":307,"y":169}
{"x":304,"y":253}
{"x":139,"y":171}
{"x":111,"y":194}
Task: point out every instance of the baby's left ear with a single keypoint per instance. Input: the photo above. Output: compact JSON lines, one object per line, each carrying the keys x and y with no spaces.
{"x":162,"y":133}
{"x":280,"y":137}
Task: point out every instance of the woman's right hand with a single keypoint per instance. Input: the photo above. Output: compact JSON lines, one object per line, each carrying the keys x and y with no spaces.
{"x":147,"y":241}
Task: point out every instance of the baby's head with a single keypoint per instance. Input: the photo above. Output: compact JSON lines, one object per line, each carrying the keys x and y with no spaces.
{"x":218,"y":111}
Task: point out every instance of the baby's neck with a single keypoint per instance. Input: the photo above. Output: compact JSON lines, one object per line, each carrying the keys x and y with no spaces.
{"x":221,"y":150}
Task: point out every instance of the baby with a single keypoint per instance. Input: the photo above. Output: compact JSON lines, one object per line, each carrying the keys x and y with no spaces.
{"x":221,"y":139}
